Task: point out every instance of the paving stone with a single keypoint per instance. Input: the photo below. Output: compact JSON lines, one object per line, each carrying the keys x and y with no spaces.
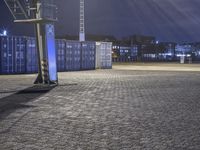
{"x":102,"y":109}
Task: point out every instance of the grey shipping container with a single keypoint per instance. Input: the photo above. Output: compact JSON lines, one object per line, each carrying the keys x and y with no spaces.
{"x":7,"y":55}
{"x":73,"y":53}
{"x":31,"y":55}
{"x":88,"y":55}
{"x":104,"y":55}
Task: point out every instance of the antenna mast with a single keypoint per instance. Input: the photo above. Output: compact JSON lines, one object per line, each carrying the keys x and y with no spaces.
{"x":82,"y":21}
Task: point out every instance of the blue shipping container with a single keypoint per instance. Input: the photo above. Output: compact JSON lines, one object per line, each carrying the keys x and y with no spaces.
{"x":31,"y":55}
{"x":61,"y":54}
{"x":73,"y":51}
{"x":19,"y":54}
{"x":7,"y":55}
{"x":88,"y":55}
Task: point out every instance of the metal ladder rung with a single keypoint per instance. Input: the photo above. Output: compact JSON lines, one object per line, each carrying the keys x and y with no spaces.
{"x":14,"y":7}
{"x":33,"y":8}
{"x":19,"y":14}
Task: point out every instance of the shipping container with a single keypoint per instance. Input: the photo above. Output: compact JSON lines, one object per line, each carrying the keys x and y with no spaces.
{"x":73,"y":53}
{"x":31,"y":55}
{"x":7,"y":55}
{"x":13,"y":54}
{"x":19,"y":54}
{"x":103,"y":55}
{"x":61,"y":54}
{"x":88,"y":55}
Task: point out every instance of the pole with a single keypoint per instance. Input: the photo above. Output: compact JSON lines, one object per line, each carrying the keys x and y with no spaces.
{"x":82,"y":21}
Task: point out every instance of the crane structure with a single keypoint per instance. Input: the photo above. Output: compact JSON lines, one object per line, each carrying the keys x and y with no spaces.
{"x":82,"y":21}
{"x":42,"y":13}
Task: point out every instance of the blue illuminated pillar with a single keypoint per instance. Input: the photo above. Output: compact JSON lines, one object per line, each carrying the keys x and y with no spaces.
{"x":51,"y":53}
{"x":46,"y":43}
{"x":47,"y":54}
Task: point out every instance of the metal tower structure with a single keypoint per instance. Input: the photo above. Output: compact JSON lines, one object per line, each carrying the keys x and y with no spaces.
{"x":82,"y":21}
{"x":42,"y":13}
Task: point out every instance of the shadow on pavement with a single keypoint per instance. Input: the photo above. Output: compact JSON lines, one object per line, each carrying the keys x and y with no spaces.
{"x":19,"y":99}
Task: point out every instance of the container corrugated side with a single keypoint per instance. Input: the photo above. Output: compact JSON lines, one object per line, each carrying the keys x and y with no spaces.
{"x":104,"y":55}
{"x":73,"y":50}
{"x":7,"y":55}
{"x":31,"y":55}
{"x":20,"y":54}
{"x":88,"y":55}
{"x":61,"y":54}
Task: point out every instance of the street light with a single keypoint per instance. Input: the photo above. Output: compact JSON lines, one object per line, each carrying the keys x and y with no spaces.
{"x":4,"y":33}
{"x":157,"y":42}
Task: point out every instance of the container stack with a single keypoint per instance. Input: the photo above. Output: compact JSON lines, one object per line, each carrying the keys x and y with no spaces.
{"x":103,"y":55}
{"x":19,"y":55}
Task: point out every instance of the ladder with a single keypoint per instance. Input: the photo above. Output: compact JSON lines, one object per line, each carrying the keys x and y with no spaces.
{"x":25,"y":11}
{"x":18,"y":8}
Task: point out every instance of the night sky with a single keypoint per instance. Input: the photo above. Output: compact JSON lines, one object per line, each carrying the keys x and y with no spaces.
{"x":168,"y":20}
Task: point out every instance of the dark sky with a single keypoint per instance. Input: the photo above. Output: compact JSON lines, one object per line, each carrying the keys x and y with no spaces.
{"x":168,"y":20}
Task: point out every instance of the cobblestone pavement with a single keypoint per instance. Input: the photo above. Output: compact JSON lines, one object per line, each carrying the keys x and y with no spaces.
{"x":102,"y":110}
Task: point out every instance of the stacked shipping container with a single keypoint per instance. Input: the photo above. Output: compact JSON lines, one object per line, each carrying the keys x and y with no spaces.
{"x":19,"y":55}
